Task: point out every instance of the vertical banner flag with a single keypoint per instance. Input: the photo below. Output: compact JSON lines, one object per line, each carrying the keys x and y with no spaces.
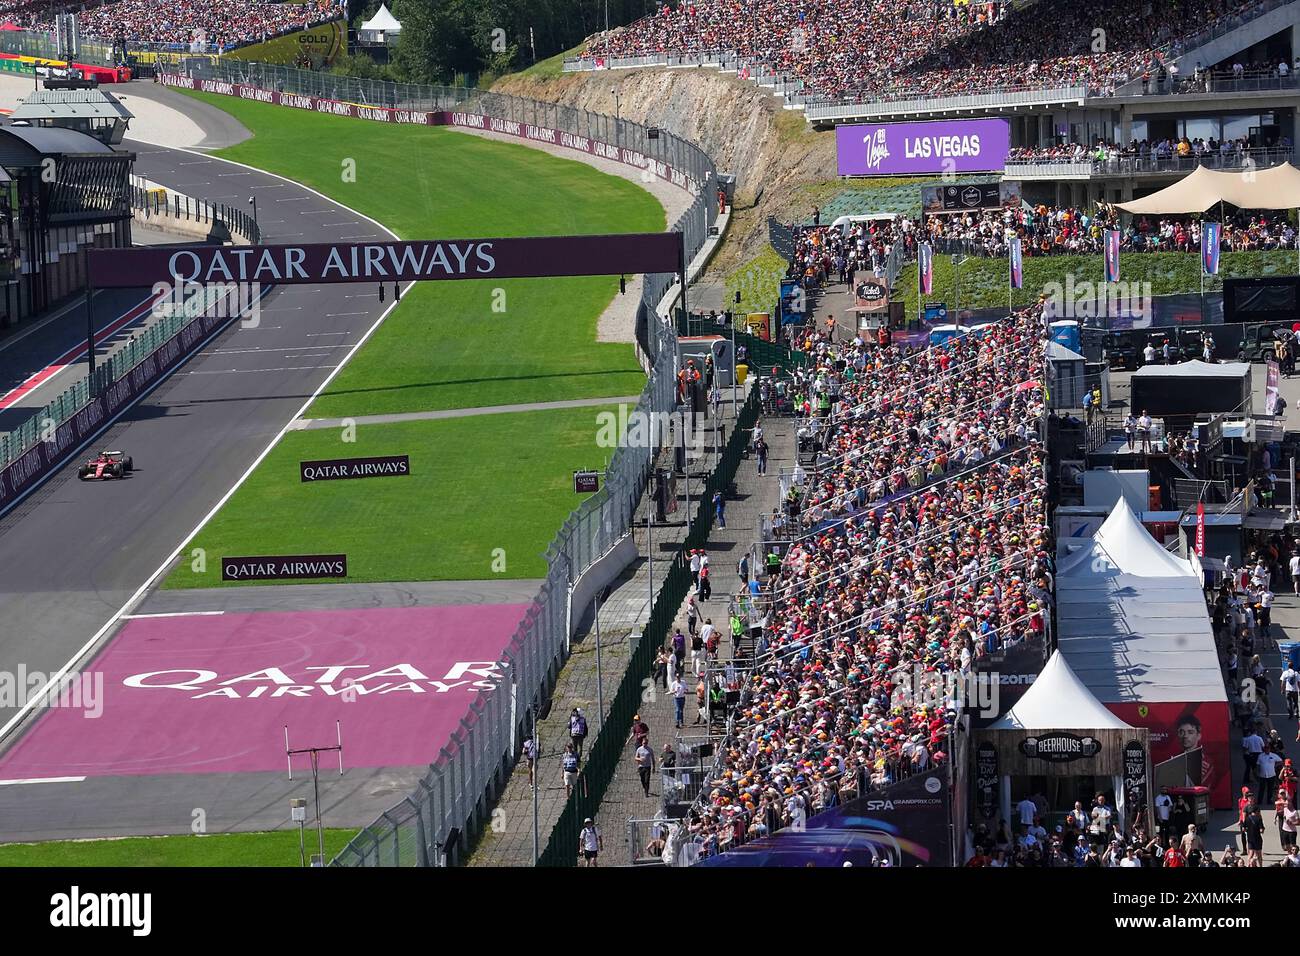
{"x":925,"y":265}
{"x":1017,"y":264}
{"x":1200,"y":529}
{"x":1211,"y":234}
{"x":1112,"y":255}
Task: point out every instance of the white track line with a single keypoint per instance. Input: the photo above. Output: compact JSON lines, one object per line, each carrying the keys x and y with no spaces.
{"x":134,"y":599}
{"x":141,"y":617}
{"x":23,"y":780}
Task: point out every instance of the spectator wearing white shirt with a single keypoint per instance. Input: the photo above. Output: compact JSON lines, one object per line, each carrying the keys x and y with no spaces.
{"x":1290,"y":681}
{"x":1266,"y":765}
{"x":1164,"y":805}
{"x":1027,"y":811}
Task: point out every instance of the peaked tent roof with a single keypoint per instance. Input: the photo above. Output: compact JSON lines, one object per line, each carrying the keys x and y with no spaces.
{"x":1056,"y":352}
{"x":1277,"y":187}
{"x":382,"y":20}
{"x":1058,"y":700}
{"x":1122,"y":546}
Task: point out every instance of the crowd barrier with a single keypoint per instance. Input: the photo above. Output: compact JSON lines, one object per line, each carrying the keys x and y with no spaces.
{"x":152,"y":201}
{"x":45,"y":441}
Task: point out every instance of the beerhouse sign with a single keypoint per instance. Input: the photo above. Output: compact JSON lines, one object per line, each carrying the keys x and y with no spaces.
{"x":519,"y":258}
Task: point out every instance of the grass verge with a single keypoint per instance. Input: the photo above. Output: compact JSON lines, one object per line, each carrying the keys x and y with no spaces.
{"x":477,"y":484}
{"x":460,"y":344}
{"x":270,"y":848}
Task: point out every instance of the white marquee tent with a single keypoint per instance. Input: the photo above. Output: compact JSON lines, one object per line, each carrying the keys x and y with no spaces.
{"x":1277,"y":187}
{"x":1122,"y":546}
{"x":1058,"y":700}
{"x":383,"y":27}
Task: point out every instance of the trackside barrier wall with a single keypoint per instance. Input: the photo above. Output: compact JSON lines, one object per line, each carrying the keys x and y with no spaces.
{"x":452,"y":803}
{"x":44,"y":442}
{"x":167,"y":204}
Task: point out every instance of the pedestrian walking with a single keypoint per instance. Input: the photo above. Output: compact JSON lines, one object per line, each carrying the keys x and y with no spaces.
{"x":1254,"y":827}
{"x":590,"y":842}
{"x":640,"y":731}
{"x":692,"y":615}
{"x":530,"y":755}
{"x":661,"y":668}
{"x":701,"y":702}
{"x":645,"y":765}
{"x":706,"y":585}
{"x":1290,"y":822}
{"x":697,"y":654}
{"x":678,"y":691}
{"x":577,"y":729}
{"x":720,"y":509}
{"x":1290,"y":680}
{"x":1243,"y":810}
{"x":695,"y":567}
{"x":760,"y":452}
{"x":570,"y":764}
{"x":1266,"y":765}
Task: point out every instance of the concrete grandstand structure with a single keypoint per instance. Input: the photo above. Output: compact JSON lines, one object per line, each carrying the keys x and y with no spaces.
{"x":1220,"y":81}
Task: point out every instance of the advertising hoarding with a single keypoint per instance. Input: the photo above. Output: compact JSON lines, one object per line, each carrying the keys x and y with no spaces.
{"x":908,"y":149}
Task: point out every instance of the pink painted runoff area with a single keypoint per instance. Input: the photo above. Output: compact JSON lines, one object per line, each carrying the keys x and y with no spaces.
{"x":399,"y":680}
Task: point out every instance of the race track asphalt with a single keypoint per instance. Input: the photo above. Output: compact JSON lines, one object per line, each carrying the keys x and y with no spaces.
{"x":75,"y":553}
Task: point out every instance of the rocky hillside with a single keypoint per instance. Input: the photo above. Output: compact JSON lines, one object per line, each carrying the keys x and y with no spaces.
{"x":778,"y":160}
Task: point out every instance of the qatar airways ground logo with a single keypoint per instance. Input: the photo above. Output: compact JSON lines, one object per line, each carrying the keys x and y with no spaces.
{"x":23,"y":688}
{"x":347,"y":682}
{"x":284,"y":567}
{"x":336,"y":469}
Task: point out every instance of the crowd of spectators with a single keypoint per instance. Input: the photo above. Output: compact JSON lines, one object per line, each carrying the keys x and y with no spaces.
{"x":897,"y":47}
{"x":1226,"y":152}
{"x":923,"y":548}
{"x":825,"y":254}
{"x":218,"y":24}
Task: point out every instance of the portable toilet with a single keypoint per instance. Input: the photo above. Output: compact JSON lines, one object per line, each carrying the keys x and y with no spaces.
{"x":1066,"y":375}
{"x":943,"y":334}
{"x":1066,"y":332}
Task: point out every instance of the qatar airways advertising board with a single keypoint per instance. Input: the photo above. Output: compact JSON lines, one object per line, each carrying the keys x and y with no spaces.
{"x":905,"y":149}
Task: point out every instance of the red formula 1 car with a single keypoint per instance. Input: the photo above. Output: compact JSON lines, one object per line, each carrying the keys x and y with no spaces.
{"x":107,"y":464}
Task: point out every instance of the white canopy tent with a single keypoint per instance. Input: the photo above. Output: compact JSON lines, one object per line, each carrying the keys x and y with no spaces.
{"x":1059,"y":700}
{"x":1277,"y":187}
{"x":1132,"y":623}
{"x":1122,"y":546}
{"x":383,"y":27}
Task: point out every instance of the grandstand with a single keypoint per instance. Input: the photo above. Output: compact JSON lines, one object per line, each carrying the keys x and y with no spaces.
{"x":857,"y":51}
{"x":923,"y":544}
{"x":192,"y":25}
